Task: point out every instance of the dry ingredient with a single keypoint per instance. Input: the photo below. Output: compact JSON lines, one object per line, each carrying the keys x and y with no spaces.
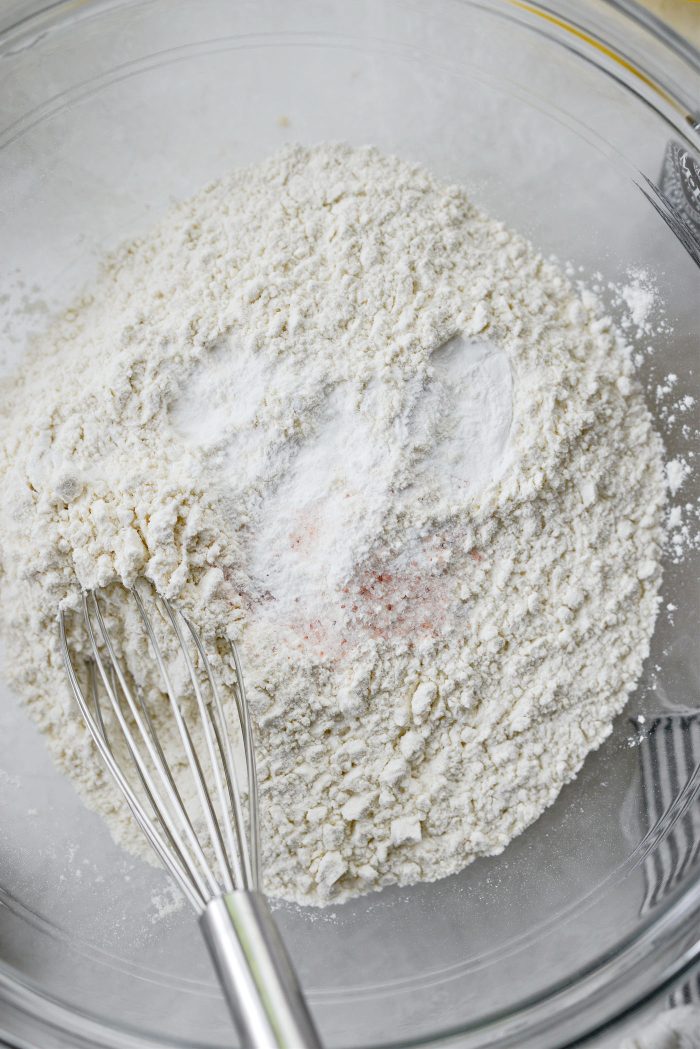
{"x":351,"y":421}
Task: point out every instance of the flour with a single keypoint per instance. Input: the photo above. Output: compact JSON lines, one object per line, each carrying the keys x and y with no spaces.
{"x":347,"y":419}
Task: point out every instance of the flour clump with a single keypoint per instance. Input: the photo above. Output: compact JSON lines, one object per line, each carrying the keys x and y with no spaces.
{"x":344,"y":417}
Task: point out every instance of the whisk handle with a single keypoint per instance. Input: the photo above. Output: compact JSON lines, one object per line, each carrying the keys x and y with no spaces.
{"x":256,"y":975}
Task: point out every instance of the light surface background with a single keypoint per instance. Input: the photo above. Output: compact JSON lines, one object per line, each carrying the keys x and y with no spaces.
{"x":683,"y":15}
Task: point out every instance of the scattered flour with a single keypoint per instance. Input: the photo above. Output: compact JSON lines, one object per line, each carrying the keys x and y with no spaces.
{"x":368,"y":431}
{"x":675,"y":412}
{"x":639,"y":296}
{"x":676,"y":473}
{"x":164,"y":904}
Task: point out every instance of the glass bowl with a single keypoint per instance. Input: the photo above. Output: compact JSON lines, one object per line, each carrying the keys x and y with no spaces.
{"x":571,"y":121}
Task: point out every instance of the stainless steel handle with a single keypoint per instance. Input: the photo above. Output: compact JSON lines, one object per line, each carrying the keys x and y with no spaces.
{"x":256,"y":975}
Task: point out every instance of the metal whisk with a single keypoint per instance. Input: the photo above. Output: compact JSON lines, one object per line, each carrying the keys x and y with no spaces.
{"x":213,"y":853}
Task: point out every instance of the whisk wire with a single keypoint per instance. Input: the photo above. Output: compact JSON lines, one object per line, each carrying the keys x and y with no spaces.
{"x":92,"y":674}
{"x":156,"y":815}
{"x":249,"y":751}
{"x":140,"y":815}
{"x":173,"y":807}
{"x":218,"y":721}
{"x":237,"y":856}
{"x":186,"y":739}
{"x":210,"y":815}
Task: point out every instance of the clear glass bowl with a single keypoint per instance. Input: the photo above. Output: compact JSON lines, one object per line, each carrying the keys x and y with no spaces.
{"x":558,"y":117}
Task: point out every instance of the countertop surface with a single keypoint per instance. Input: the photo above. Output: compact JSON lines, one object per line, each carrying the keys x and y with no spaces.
{"x":683,"y":15}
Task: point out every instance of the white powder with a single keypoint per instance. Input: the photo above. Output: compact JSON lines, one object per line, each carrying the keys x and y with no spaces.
{"x":676,"y":473}
{"x":677,"y":1028}
{"x":639,"y":296}
{"x":348,"y":419}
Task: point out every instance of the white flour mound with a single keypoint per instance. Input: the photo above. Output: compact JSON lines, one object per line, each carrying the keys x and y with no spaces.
{"x":336,"y":411}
